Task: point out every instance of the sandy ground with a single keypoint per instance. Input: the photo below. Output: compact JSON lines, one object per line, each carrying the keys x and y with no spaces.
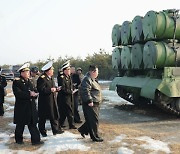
{"x":127,"y":122}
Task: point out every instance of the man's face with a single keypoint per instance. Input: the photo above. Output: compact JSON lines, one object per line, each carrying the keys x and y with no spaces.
{"x":25,"y":74}
{"x":73,"y":70}
{"x":94,"y":74}
{"x":50,"y":72}
{"x":33,"y":74}
{"x":67,"y":71}
{"x":79,"y":71}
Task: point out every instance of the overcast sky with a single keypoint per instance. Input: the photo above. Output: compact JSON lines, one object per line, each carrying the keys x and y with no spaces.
{"x":32,"y":30}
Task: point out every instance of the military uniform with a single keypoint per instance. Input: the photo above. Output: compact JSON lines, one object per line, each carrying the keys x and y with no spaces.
{"x":47,"y":104}
{"x":76,"y":82}
{"x":3,"y":84}
{"x":65,"y":100}
{"x":25,"y":112}
{"x":34,"y":81}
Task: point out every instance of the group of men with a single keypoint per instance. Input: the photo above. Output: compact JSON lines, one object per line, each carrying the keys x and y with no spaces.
{"x":55,"y":103}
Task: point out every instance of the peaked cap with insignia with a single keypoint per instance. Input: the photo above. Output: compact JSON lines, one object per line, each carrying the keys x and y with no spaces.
{"x":24,"y":67}
{"x":47,"y":66}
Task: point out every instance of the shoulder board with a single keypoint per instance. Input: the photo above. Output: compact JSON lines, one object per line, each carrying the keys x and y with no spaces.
{"x":17,"y":78}
{"x":62,"y":76}
{"x":42,"y":76}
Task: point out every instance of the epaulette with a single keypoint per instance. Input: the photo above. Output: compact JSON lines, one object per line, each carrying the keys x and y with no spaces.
{"x":42,"y":76}
{"x":62,"y":76}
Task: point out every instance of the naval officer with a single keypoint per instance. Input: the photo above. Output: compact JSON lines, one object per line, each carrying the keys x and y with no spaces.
{"x":47,"y":103}
{"x":25,"y":112}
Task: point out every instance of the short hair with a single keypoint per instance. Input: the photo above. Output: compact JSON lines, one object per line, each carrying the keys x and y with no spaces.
{"x":92,"y":68}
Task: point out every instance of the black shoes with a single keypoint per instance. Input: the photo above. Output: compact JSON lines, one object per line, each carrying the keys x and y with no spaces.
{"x":38,"y":143}
{"x":82,"y":134}
{"x":63,"y":126}
{"x":19,"y":142}
{"x":72,"y":127}
{"x":98,"y":140}
{"x":58,"y":132}
{"x":43,"y":133}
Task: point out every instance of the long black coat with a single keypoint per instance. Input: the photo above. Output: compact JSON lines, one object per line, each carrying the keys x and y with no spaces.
{"x":25,"y":111}
{"x":47,"y":103}
{"x":65,"y":95}
{"x":3,"y":84}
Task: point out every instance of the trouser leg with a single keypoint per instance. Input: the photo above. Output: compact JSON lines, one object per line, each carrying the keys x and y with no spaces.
{"x":76,"y":112}
{"x":62,"y":114}
{"x":19,"y":132}
{"x":35,"y":136}
{"x":84,"y":128}
{"x":1,"y":109}
{"x":54,"y":125}
{"x":41,"y":125}
{"x":69,"y":115}
{"x":91,"y":117}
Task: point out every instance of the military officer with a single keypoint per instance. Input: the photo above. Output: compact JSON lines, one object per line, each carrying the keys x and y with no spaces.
{"x":3,"y":84}
{"x":47,"y":103}
{"x":76,"y":82}
{"x":34,"y":75}
{"x":25,"y":112}
{"x":65,"y":96}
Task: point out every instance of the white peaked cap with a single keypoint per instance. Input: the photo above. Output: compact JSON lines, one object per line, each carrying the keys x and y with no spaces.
{"x":24,"y":67}
{"x":66,"y":64}
{"x":47,"y":66}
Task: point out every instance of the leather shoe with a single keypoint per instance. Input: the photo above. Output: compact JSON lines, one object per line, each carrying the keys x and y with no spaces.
{"x":72,"y":127}
{"x":82,"y":134}
{"x":58,"y":132}
{"x":98,"y":140}
{"x":44,"y":134}
{"x":38,"y":143}
{"x":19,"y":142}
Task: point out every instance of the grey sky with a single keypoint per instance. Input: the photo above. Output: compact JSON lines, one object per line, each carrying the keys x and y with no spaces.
{"x":32,"y":30}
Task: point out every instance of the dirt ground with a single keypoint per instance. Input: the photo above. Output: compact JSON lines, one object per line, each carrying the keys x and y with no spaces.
{"x":128,"y":121}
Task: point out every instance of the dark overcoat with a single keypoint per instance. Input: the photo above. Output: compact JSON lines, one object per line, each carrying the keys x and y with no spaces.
{"x":25,"y":111}
{"x":47,"y":102}
{"x":65,"y":95}
{"x":3,"y":84}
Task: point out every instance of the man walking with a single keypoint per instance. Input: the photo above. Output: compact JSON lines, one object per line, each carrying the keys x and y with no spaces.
{"x":25,"y":112}
{"x":47,"y":103}
{"x":65,"y":96}
{"x":76,"y":82}
{"x":90,"y":92}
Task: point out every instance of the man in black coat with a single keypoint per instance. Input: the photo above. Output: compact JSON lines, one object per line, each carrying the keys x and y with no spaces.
{"x":3,"y":84}
{"x":91,"y":95}
{"x":25,"y":112}
{"x":47,"y":103}
{"x":76,"y":82}
{"x":65,"y":96}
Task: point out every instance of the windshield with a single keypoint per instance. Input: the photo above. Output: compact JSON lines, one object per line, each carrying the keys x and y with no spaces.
{"x":6,"y":71}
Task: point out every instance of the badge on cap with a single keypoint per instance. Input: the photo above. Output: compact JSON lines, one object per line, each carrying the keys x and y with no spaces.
{"x":47,"y":66}
{"x":66,"y":64}
{"x":24,"y":67}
